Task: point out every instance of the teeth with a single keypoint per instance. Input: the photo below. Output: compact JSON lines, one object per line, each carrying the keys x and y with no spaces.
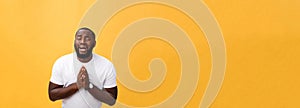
{"x":82,"y":49}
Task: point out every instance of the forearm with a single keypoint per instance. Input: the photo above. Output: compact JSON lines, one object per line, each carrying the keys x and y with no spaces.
{"x":63,"y":92}
{"x":102,"y":95}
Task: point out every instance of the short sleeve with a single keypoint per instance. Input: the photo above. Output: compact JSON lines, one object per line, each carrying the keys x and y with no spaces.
{"x":110,"y":80}
{"x":56,"y":76}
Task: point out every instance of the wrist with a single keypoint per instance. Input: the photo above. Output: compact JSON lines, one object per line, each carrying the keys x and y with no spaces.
{"x":74,"y":86}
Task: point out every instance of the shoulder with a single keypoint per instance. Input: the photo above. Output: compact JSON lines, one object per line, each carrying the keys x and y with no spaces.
{"x":102,"y":60}
{"x":64,"y":58}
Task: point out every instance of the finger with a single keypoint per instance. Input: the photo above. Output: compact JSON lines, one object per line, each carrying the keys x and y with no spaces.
{"x":82,"y":79}
{"x":79,"y":74}
{"x":84,"y":71}
{"x":83,"y":68}
{"x":86,"y":75}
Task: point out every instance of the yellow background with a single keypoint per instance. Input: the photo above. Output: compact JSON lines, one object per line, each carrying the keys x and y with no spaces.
{"x":261,"y":39}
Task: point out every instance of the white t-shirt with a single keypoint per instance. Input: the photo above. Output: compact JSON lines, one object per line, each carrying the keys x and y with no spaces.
{"x":101,"y":73}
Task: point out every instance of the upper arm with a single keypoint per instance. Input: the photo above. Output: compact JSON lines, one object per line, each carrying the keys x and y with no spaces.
{"x":56,"y":80}
{"x":56,"y":76}
{"x":110,"y":84}
{"x":110,"y":77}
{"x":51,"y":87}
{"x":113,"y":91}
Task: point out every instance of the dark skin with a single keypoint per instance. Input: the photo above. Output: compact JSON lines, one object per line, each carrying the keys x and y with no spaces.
{"x":84,"y":43}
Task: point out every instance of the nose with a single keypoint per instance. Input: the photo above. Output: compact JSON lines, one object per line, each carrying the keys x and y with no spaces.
{"x":82,"y":40}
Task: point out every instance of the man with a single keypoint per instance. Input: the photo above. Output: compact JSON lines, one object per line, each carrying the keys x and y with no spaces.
{"x":79,"y":78}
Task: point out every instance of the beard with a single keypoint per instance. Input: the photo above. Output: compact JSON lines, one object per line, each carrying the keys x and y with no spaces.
{"x":89,"y":52}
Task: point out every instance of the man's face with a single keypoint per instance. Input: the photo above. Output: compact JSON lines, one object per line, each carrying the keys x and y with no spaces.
{"x":84,"y":43}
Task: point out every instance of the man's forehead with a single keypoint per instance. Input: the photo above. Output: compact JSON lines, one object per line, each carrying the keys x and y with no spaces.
{"x":81,"y":32}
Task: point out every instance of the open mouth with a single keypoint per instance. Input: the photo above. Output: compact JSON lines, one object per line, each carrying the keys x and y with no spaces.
{"x":82,"y":49}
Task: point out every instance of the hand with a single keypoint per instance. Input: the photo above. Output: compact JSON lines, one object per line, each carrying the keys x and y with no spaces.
{"x":83,"y":78}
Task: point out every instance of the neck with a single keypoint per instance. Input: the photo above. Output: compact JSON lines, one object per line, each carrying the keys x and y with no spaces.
{"x":86,"y":59}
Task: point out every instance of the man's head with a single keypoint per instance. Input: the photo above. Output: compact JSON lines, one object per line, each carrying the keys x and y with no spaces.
{"x":84,"y":42}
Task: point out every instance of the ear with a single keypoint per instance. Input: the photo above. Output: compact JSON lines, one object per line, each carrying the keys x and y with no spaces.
{"x":94,"y":44}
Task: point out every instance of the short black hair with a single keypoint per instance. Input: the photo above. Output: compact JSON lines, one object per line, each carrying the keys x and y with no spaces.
{"x":85,"y":28}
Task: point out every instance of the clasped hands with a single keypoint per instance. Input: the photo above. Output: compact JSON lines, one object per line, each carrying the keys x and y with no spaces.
{"x":83,"y":79}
